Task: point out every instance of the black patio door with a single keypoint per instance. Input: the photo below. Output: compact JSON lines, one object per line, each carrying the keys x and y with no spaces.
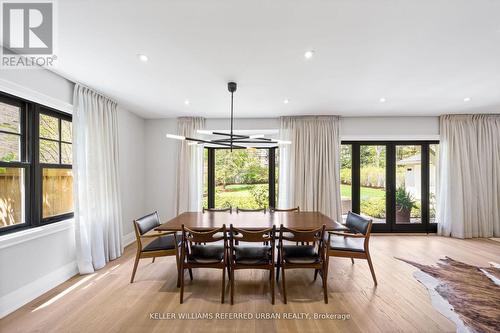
{"x":389,"y":182}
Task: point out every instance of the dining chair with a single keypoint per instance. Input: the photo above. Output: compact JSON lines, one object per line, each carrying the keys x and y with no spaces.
{"x":238,"y":209}
{"x":228,"y":209}
{"x":163,"y":244}
{"x":294,"y":209}
{"x":302,"y":256}
{"x":353,"y":243}
{"x":251,"y":255}
{"x":194,"y":254}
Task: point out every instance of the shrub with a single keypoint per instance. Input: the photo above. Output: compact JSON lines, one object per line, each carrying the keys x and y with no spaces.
{"x":374,"y":207}
{"x":372,"y":177}
{"x":404,"y":199}
{"x":345,"y":176}
{"x":261,"y":195}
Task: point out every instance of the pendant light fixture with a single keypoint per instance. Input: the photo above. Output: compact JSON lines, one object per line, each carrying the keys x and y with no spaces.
{"x":231,"y":140}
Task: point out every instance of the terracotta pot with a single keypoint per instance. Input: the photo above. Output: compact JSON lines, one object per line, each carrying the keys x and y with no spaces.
{"x":402,"y":215}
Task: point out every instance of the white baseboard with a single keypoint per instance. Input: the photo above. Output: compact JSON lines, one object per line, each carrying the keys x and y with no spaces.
{"x":19,"y":297}
{"x":128,"y":239}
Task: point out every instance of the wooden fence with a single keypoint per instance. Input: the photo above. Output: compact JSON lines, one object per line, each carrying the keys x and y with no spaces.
{"x":57,"y":194}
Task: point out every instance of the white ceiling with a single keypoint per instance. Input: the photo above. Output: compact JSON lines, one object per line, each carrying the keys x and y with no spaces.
{"x":423,"y":56}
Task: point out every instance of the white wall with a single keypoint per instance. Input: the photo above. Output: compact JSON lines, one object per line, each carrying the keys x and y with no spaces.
{"x":39,"y":86}
{"x":161,"y":166}
{"x":389,"y":128}
{"x":132,"y":169}
{"x":352,"y":128}
{"x":36,"y":260}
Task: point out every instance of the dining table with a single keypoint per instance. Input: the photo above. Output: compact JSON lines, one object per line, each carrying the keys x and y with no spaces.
{"x":252,"y":221}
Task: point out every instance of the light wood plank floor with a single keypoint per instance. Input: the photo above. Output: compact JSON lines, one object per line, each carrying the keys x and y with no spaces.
{"x":107,"y":302}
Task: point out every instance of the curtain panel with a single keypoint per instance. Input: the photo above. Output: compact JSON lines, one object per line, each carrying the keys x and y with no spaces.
{"x":189,"y":167}
{"x":309,"y":168}
{"x":97,"y":202}
{"x":469,"y":193}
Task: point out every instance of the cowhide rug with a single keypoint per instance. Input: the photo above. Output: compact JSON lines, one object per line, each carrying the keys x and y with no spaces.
{"x":467,"y":295}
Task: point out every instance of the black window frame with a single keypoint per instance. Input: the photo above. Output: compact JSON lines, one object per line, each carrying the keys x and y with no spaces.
{"x":39,"y":166}
{"x":24,"y":160}
{"x":30,"y":161}
{"x":390,"y":225}
{"x":211,"y":174}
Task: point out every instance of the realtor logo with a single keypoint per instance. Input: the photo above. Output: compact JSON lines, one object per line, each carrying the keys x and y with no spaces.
{"x":27,"y":30}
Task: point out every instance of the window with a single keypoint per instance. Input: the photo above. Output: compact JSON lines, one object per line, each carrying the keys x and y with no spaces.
{"x":13,"y":166}
{"x":346,"y":179}
{"x":433,"y":180}
{"x":373,"y":182}
{"x":393,"y":183}
{"x":35,"y":164}
{"x":244,"y":178}
{"x":55,"y":157}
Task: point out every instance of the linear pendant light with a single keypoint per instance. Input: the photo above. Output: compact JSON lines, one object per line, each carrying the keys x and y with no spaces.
{"x":231,"y":140}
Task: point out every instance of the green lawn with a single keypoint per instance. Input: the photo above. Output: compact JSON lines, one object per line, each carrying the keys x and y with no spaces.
{"x":239,"y":193}
{"x":366,"y":192}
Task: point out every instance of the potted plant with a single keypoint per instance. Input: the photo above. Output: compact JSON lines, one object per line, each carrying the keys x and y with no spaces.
{"x":404,"y":204}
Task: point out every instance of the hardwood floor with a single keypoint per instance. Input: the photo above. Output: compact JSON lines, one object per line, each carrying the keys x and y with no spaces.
{"x":107,"y":302}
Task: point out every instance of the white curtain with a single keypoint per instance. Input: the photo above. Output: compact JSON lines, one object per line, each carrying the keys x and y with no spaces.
{"x":309,"y":168}
{"x":97,"y":203}
{"x":189,"y":166}
{"x":469,"y":193}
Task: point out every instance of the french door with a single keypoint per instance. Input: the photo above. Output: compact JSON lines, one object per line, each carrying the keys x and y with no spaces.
{"x":391,"y":182}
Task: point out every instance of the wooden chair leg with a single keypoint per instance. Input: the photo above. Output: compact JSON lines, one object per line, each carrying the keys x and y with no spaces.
{"x":135,"y":268}
{"x":182,"y":284}
{"x":316,"y":274}
{"x":352,"y":260}
{"x":271,"y":271}
{"x":232,"y":286}
{"x":283,"y":284}
{"x":154,"y":259}
{"x":223,"y":284}
{"x":324,"y":275}
{"x":191,"y":274}
{"x":369,"y":259}
{"x":178,"y":270}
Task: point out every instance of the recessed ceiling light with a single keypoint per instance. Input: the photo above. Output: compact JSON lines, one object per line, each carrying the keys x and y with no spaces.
{"x":309,"y":54}
{"x":286,"y":101}
{"x":382,"y":100}
{"x":467,"y":99}
{"x":186,"y":102}
{"x":143,"y":57}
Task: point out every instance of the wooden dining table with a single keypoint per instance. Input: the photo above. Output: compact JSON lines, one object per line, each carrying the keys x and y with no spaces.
{"x":251,"y":221}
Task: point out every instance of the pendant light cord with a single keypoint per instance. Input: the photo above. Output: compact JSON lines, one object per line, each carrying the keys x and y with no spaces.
{"x":231,"y":122}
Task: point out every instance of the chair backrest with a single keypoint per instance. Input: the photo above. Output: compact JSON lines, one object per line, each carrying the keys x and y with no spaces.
{"x":228,"y":209}
{"x":146,"y":223}
{"x":238,"y":209}
{"x":358,"y":223}
{"x":295,"y":209}
{"x":315,"y":236}
{"x":257,"y":236}
{"x":209,"y":236}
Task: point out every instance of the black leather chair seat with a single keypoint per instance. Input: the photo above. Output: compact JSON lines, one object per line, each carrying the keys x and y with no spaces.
{"x":252,"y":255}
{"x":342,"y":243}
{"x":162,"y":243}
{"x":206,"y":254}
{"x":300,"y":254}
